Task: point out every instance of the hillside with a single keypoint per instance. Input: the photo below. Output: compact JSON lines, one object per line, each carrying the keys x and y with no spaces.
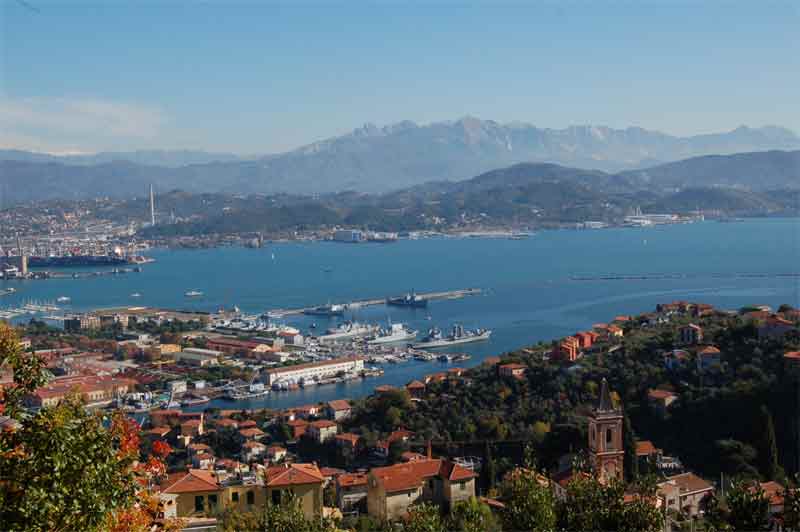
{"x":376,"y":160}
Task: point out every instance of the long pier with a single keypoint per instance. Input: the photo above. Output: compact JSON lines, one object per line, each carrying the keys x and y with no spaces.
{"x":428,"y":296}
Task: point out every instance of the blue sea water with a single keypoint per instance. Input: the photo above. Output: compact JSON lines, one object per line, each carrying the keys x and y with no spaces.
{"x":529,"y":294}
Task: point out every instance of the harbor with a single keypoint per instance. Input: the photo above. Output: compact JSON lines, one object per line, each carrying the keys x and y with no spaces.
{"x":337,"y":309}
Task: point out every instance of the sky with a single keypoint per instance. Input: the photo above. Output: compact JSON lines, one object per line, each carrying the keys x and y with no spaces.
{"x":256,"y":78}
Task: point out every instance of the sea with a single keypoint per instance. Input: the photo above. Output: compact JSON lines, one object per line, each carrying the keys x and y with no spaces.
{"x":550,"y":285}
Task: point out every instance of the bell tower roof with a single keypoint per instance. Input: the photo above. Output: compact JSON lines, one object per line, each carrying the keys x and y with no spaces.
{"x":605,"y":405}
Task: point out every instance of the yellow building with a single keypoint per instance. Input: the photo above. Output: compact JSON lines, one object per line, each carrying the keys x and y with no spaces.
{"x":301,"y":481}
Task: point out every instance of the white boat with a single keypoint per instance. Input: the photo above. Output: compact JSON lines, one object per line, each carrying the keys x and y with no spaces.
{"x":193,"y":293}
{"x":63,"y":299}
{"x":136,"y":294}
{"x":251,"y":391}
{"x":457,"y":336}
{"x":396,"y":333}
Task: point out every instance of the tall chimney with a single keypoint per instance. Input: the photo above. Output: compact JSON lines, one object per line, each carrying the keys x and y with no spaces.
{"x":430,"y":452}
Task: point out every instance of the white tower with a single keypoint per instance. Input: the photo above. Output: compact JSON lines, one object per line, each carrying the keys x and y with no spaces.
{"x":152,"y":207}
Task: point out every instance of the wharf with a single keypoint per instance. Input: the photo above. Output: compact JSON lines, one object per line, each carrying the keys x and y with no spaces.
{"x":428,"y":296}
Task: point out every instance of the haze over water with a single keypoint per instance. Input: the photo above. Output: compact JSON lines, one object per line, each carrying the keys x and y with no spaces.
{"x":529,"y":296}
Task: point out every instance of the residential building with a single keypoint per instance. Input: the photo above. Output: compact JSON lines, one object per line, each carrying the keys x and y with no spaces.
{"x":708,"y":357}
{"x":351,"y":492}
{"x":322,"y":430}
{"x":691,"y":334}
{"x":567,"y":349}
{"x":298,"y":427}
{"x":676,"y":359}
{"x":416,"y":389}
{"x":302,"y":481}
{"x":661,"y":400}
{"x":252,"y":433}
{"x":392,"y":490}
{"x":315,"y":370}
{"x":512,"y":370}
{"x":339,"y":409}
{"x":81,"y":323}
{"x":276,"y":453}
{"x":348,"y":443}
{"x":252,"y":451}
{"x":683,"y":493}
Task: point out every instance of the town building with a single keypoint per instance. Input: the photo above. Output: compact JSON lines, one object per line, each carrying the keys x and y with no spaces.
{"x":82,"y":322}
{"x":176,"y":387}
{"x":775,"y":328}
{"x":93,"y":390}
{"x":349,"y":236}
{"x":301,"y":481}
{"x":339,"y":409}
{"x":351,"y":492}
{"x":512,"y":370}
{"x":322,"y":430}
{"x":348,"y":444}
{"x":683,"y":493}
{"x":315,"y":370}
{"x":661,"y":400}
{"x":393,"y":489}
{"x":194,"y":356}
{"x":707,"y":357}
{"x":691,"y":334}
{"x":416,"y":389}
{"x":276,"y":453}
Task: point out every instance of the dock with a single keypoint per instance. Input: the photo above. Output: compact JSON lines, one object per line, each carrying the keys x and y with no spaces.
{"x":428,"y":296}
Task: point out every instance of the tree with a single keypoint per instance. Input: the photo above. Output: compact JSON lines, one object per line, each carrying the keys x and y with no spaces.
{"x":424,"y":518}
{"x":768,"y":453}
{"x":472,"y":516}
{"x":748,"y":507}
{"x":289,"y":517}
{"x":63,"y":470}
{"x":791,"y":508}
{"x":590,"y":505}
{"x":28,"y":370}
{"x":529,"y":502}
{"x":631,"y":461}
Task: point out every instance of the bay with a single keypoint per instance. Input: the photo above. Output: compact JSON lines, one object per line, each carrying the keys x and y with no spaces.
{"x":529,"y":294}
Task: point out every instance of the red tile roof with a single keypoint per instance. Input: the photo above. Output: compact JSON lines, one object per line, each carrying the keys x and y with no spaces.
{"x":349,"y":480}
{"x":348,"y":437}
{"x":251,"y":433}
{"x":323,"y":424}
{"x":293,"y":474}
{"x":774,"y":492}
{"x":709,"y":351}
{"x":645,"y":448}
{"x":690,"y":483}
{"x":339,"y":404}
{"x":190,"y":481}
{"x":792,"y":354}
{"x":410,"y":475}
{"x":660,"y":394}
{"x":415,"y":385}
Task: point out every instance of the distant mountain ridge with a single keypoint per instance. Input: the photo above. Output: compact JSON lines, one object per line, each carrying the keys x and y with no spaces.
{"x":374,"y":160}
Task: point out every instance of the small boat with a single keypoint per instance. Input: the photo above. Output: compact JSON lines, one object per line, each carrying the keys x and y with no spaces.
{"x":325,"y":310}
{"x":192,"y":401}
{"x":63,"y":299}
{"x":193,"y":293}
{"x":136,"y":294}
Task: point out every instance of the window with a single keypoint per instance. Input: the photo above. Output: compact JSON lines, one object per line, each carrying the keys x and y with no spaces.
{"x":235,"y":496}
{"x":212,"y":501}
{"x":198,"y":503}
{"x":276,"y":496}
{"x":251,"y":497}
{"x":609,"y":435}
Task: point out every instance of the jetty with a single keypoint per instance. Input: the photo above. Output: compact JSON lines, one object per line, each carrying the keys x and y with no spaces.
{"x":360,"y":303}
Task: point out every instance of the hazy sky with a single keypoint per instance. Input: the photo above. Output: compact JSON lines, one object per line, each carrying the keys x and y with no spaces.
{"x":254,"y":78}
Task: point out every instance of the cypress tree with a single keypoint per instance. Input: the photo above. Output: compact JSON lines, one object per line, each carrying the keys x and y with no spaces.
{"x":768,"y":452}
{"x":490,"y":469}
{"x":631,"y":461}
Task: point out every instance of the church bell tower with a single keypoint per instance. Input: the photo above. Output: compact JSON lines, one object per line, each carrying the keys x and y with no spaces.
{"x":605,"y":437}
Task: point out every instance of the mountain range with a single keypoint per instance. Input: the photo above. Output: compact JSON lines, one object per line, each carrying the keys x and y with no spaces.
{"x":380,"y":159}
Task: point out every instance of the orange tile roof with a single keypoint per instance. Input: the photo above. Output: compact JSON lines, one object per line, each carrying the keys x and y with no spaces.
{"x":415,"y":385}
{"x":323,"y":424}
{"x":410,"y":475}
{"x":645,"y":448}
{"x":339,"y":404}
{"x":248,"y":424}
{"x":293,"y":474}
{"x":349,"y":437}
{"x":251,"y":433}
{"x":513,"y":366}
{"x":660,"y":394}
{"x":191,"y":481}
{"x":349,"y":480}
{"x":792,"y":354}
{"x":690,"y":483}
{"x":709,"y":350}
{"x":774,"y":492}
